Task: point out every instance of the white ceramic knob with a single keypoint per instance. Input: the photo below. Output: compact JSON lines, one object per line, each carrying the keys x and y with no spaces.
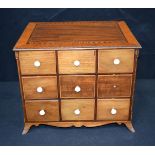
{"x":114,"y":86}
{"x":77,"y":112}
{"x":116,"y":61}
{"x":39,"y":89}
{"x":37,"y":63}
{"x":42,"y":112}
{"x":77,"y":89}
{"x":76,"y":63}
{"x":113,"y":111}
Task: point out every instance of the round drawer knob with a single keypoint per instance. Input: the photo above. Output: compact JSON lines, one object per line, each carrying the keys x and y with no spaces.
{"x":37,"y":63}
{"x":39,"y":89}
{"x":76,"y":63}
{"x":77,"y":112}
{"x":77,"y":89}
{"x":114,"y":86}
{"x":113,"y":111}
{"x":116,"y":61}
{"x":42,"y":112}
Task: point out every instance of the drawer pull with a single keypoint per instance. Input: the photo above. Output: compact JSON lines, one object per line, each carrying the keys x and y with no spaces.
{"x":37,"y":63}
{"x":42,"y":112}
{"x":39,"y":89}
{"x":113,"y":111}
{"x":114,"y":86}
{"x":116,"y":61}
{"x":77,"y":89}
{"x":76,"y":63}
{"x":77,"y":112}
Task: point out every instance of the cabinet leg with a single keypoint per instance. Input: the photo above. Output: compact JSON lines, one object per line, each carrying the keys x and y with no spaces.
{"x":27,"y":127}
{"x":129,"y":126}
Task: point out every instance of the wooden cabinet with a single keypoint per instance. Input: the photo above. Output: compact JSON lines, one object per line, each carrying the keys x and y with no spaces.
{"x":77,"y":73}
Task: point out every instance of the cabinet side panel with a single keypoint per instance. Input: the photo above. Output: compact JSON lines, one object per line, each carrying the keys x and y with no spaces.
{"x":20,"y":83}
{"x":136,"y":53}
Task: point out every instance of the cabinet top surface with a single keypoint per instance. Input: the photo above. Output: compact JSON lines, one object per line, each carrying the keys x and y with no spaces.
{"x":76,"y":35}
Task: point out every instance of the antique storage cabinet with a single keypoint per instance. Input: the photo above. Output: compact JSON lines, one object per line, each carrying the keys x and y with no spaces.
{"x":77,"y":73}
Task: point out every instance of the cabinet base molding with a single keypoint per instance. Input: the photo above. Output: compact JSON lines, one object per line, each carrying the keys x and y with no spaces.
{"x":28,"y":125}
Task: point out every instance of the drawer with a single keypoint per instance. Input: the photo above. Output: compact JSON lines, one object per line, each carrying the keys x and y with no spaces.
{"x":77,"y":86}
{"x":113,"y":109}
{"x":40,"y":87}
{"x":77,"y":109}
{"x":71,"y":62}
{"x":116,"y":61}
{"x":37,"y":62}
{"x":114,"y":85}
{"x":42,"y":110}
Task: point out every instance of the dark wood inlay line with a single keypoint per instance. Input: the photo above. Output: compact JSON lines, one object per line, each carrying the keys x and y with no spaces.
{"x":68,"y":98}
{"x":58,"y":84}
{"x":115,"y":97}
{"x":133,"y":82}
{"x":96,"y":86}
{"x":78,"y":74}
{"x":38,"y":75}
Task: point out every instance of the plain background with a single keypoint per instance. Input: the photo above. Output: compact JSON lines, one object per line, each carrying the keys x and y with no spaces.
{"x":13,"y":22}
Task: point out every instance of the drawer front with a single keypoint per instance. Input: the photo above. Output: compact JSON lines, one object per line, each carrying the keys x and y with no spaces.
{"x":114,"y":85}
{"x":71,"y":62}
{"x":37,"y":62}
{"x":40,"y":87}
{"x":77,"y":86}
{"x":42,"y":110}
{"x":116,"y":61}
{"x":113,"y":109}
{"x":77,"y":109}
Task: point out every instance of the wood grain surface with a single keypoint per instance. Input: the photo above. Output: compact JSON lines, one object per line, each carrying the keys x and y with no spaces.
{"x":85,"y":82}
{"x":50,"y":107}
{"x":86,"y":107}
{"x":105,"y":106}
{"x":85,"y":57}
{"x":46,"y":58}
{"x":114,"y":85}
{"x":106,"y":61}
{"x":48,"y":83}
